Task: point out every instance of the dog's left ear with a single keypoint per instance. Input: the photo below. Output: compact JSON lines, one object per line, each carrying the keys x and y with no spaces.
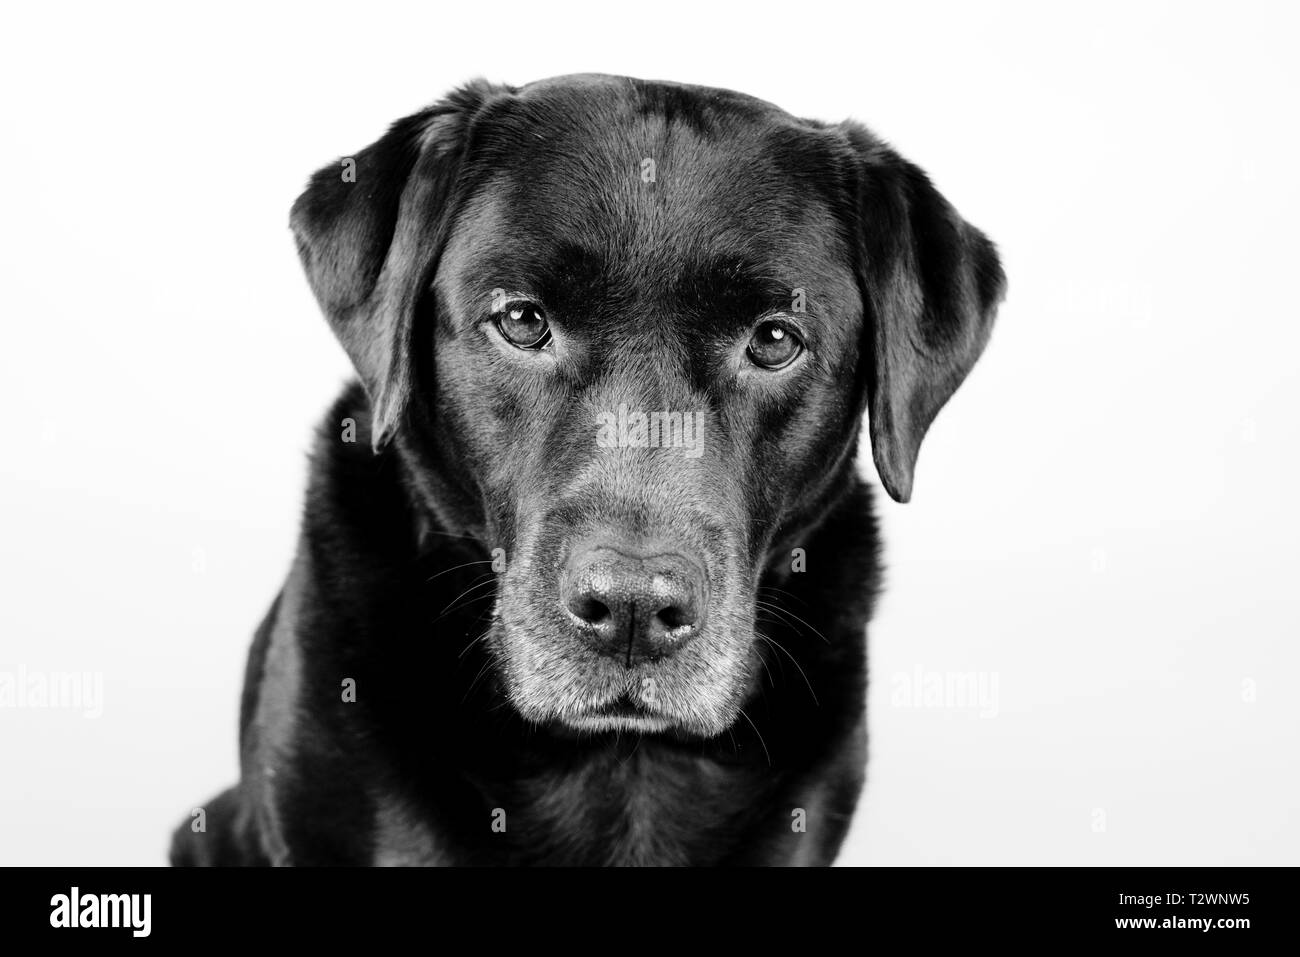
{"x":932,"y":283}
{"x":369,"y":231}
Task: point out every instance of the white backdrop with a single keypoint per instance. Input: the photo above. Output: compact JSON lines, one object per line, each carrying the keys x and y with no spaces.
{"x":1103,"y":533}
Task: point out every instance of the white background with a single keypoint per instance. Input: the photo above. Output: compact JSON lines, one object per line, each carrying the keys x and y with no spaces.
{"x":1104,"y":519}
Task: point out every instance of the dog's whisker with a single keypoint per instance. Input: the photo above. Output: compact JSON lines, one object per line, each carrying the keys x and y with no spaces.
{"x":776,"y":644}
{"x":475,"y":538}
{"x":760,"y":736}
{"x":466,"y":649}
{"x":448,"y":571}
{"x":478,"y":677}
{"x":471,"y":588}
{"x":763,"y":662}
{"x":786,"y":611}
{"x":783,"y":591}
{"x":467,"y":603}
{"x":778,"y":616}
{"x":780,"y":664}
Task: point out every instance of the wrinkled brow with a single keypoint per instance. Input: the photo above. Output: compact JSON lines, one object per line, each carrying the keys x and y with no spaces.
{"x":572,"y":279}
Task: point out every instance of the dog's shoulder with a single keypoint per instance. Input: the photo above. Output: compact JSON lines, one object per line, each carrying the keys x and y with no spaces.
{"x":355,"y":506}
{"x":342,"y":445}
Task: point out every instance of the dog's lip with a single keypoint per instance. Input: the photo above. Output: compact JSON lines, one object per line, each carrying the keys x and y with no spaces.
{"x":622,"y":713}
{"x":624,"y":706}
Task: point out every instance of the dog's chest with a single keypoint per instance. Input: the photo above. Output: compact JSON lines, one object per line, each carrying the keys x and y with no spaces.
{"x":641,"y":809}
{"x":611,"y":811}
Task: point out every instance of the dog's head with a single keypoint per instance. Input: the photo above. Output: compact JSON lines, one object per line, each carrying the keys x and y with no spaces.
{"x":627,"y":332}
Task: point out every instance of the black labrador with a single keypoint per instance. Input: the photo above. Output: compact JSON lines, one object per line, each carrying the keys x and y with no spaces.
{"x":586,"y":565}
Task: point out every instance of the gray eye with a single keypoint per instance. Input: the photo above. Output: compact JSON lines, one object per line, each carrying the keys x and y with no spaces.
{"x":774,"y":345}
{"x":524,"y":325}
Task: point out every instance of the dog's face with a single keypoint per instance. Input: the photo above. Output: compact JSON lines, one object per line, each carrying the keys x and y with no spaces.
{"x":631,"y":329}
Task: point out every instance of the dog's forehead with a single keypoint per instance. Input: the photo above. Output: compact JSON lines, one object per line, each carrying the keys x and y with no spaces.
{"x":647,"y":183}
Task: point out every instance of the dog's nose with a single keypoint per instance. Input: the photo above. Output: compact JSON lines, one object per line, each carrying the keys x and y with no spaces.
{"x":639,"y":607}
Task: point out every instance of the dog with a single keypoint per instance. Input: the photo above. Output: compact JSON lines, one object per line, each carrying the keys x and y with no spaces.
{"x":586,"y":565}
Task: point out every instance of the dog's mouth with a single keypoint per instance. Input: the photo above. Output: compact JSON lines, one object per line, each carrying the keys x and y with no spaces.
{"x":626,"y":712}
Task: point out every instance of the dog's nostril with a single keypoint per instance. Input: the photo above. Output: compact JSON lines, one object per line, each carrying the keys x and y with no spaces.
{"x":675,"y":616}
{"x":589,"y":609}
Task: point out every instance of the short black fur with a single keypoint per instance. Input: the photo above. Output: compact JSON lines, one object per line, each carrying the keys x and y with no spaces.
{"x":451,"y":452}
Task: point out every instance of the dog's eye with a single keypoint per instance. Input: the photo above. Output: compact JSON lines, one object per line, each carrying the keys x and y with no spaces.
{"x":774,"y":345}
{"x":524,"y":325}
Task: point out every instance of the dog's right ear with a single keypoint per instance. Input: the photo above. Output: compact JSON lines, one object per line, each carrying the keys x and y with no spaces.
{"x":370,"y":229}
